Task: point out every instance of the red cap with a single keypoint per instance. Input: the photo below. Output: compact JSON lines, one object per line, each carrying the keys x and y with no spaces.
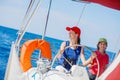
{"x":75,"y":29}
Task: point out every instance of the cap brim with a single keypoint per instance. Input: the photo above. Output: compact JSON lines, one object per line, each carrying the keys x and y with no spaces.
{"x":68,"y":28}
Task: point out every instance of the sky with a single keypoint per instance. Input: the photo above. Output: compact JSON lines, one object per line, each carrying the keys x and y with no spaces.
{"x":96,"y":21}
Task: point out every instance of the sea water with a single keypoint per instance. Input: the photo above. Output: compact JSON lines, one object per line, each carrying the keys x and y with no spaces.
{"x":9,"y":35}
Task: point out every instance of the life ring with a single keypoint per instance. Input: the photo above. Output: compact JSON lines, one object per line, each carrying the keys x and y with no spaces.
{"x":28,"y":48}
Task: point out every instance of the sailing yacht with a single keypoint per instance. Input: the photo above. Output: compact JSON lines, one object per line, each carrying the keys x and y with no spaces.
{"x":20,"y":68}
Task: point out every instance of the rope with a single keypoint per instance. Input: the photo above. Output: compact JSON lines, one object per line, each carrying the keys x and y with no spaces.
{"x":47,"y":20}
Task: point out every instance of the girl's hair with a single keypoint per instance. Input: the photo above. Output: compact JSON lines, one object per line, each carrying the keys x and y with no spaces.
{"x":78,"y":40}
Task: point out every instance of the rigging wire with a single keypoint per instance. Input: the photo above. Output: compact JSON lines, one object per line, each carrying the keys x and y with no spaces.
{"x":81,"y":14}
{"x":44,"y":33}
{"x":25,"y":17}
{"x":28,"y":10}
{"x":30,"y":7}
{"x":27,"y":23}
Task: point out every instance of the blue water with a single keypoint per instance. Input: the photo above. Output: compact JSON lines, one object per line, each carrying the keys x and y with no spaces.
{"x":7,"y":35}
